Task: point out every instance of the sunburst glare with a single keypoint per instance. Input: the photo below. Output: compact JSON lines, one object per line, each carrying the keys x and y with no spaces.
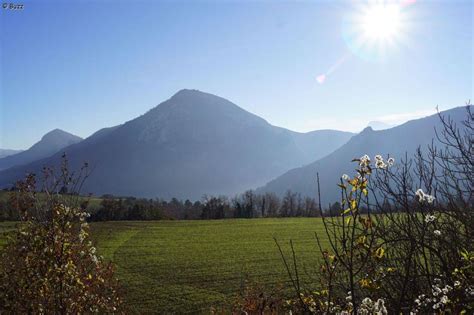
{"x":381,"y":21}
{"x":374,"y":28}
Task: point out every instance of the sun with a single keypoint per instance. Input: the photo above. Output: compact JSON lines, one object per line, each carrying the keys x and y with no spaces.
{"x":374,"y":29}
{"x":381,"y":21}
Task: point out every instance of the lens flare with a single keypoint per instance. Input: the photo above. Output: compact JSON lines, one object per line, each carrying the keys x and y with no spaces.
{"x":321,"y":78}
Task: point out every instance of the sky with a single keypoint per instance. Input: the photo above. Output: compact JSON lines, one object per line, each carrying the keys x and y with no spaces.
{"x":84,"y":65}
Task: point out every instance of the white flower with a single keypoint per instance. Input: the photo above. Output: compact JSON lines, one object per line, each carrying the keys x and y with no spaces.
{"x":457,"y":283}
{"x":364,"y":161}
{"x":94,"y":259}
{"x":437,"y":232}
{"x":368,"y":306}
{"x":345,"y":177}
{"x":420,"y":195}
{"x":447,"y":288}
{"x":366,"y":301}
{"x":378,"y":157}
{"x":391,"y":161}
{"x":444,"y":299}
{"x":82,"y":236}
{"x":430,"y":218}
{"x":380,"y":308}
{"x":429,"y":199}
{"x":380,"y":164}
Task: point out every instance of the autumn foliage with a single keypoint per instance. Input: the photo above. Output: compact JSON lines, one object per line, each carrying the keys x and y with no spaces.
{"x":49,"y":265}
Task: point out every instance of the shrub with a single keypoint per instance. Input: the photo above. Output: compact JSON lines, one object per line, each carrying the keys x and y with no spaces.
{"x":49,"y":264}
{"x":415,"y":255}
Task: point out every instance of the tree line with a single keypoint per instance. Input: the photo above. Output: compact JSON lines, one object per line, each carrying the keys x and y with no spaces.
{"x":246,"y":205}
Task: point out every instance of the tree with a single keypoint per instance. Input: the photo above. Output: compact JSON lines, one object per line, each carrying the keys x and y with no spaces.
{"x":289,"y":204}
{"x":272,"y":204}
{"x":245,"y":205}
{"x":214,"y":208}
{"x":335,"y":209}
{"x":310,"y":207}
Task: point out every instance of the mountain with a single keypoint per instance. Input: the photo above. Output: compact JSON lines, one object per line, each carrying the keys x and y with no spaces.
{"x":396,"y":142}
{"x":192,"y":144}
{"x":379,"y":125}
{"x":49,"y":144}
{"x":7,"y":152}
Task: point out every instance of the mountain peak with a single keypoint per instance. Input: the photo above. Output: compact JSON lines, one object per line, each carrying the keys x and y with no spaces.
{"x":59,"y":135}
{"x":367,"y":129}
{"x":49,"y":144}
{"x":188,"y":109}
{"x":379,"y":125}
{"x":198,"y":105}
{"x":187,"y":92}
{"x":55,"y":132}
{"x":192,"y":95}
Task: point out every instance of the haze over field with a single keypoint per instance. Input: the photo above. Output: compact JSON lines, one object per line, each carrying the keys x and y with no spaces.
{"x":197,"y":143}
{"x":190,"y":145}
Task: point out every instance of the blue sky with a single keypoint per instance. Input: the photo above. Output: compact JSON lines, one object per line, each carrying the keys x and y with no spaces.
{"x":84,"y":65}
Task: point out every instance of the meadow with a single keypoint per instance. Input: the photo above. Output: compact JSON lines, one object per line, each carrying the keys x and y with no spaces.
{"x":189,"y":266}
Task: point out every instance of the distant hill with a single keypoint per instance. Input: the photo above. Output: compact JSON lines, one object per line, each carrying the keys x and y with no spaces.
{"x":7,"y":152}
{"x":394,"y":142}
{"x":49,"y":144}
{"x":192,"y":144}
{"x":379,"y":125}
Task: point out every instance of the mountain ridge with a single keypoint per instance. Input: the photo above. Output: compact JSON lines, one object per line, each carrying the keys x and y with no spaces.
{"x":50,"y":143}
{"x":396,"y":142}
{"x":191,"y":144}
{"x":8,"y":152}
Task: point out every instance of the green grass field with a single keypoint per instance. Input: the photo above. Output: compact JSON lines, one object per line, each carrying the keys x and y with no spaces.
{"x":188,"y":266}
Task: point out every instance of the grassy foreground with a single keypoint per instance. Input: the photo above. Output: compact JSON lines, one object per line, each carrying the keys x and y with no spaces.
{"x":189,"y":266}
